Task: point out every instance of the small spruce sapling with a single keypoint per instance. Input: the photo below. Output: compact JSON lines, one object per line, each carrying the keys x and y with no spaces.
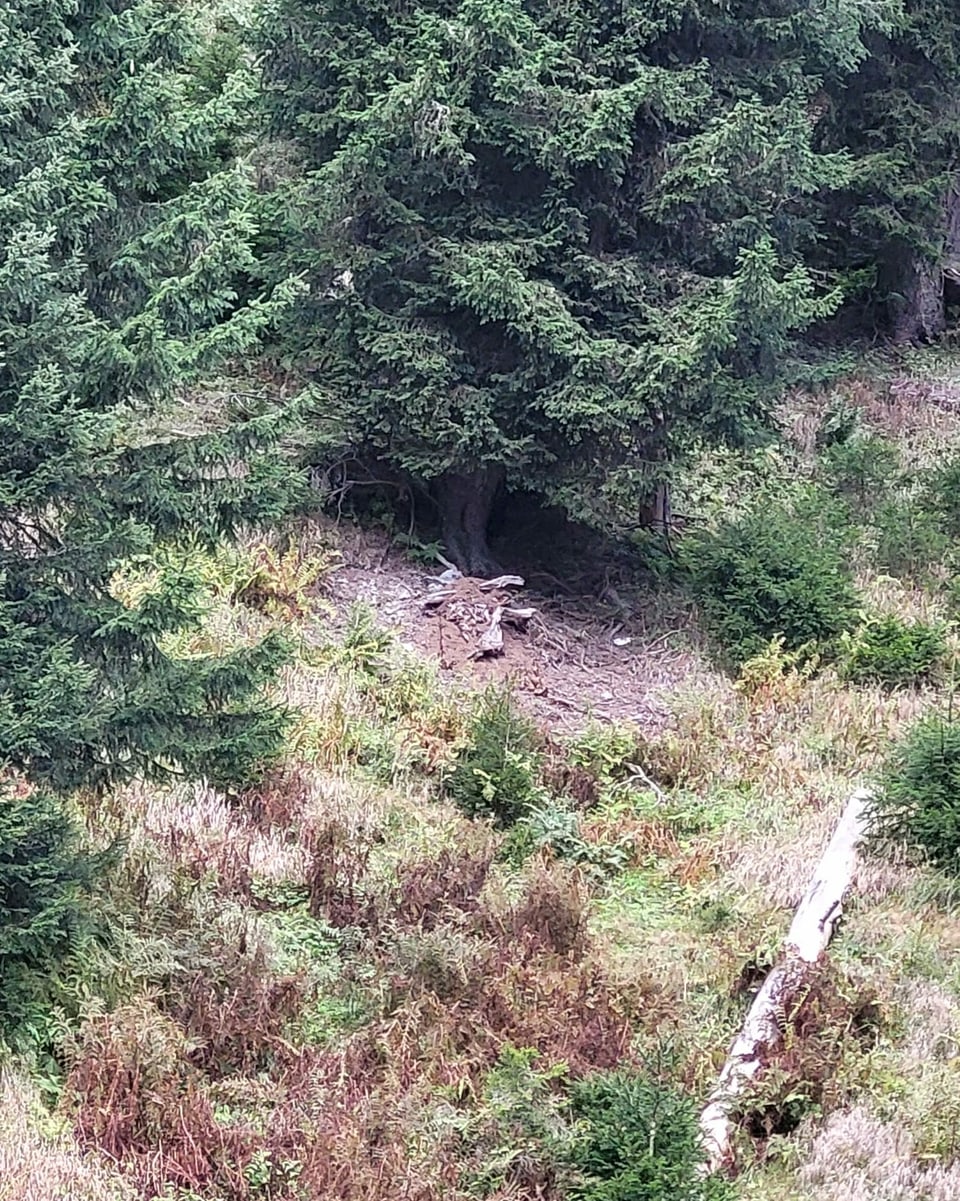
{"x":916,"y":804}
{"x":777,"y":570}
{"x":498,"y":773}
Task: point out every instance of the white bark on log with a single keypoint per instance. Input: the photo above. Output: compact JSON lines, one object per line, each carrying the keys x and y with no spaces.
{"x":810,"y":932}
{"x":490,"y":641}
{"x":501,"y":581}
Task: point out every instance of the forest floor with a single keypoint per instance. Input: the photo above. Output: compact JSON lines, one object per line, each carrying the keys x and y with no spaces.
{"x":338,"y":985}
{"x":582,"y":657}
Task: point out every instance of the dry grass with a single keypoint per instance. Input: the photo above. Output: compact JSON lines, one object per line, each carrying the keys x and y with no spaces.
{"x":921,"y":415}
{"x":856,"y":1157}
{"x":195,"y":833}
{"x":39,"y":1159}
{"x":885,"y":594}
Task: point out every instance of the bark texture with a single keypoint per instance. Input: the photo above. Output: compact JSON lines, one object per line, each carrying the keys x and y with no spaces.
{"x":657,"y":512}
{"x":810,"y":932}
{"x":466,"y":501}
{"x":918,"y":312}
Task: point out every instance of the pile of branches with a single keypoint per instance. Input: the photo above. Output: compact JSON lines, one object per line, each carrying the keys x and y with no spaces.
{"x":479,"y":609}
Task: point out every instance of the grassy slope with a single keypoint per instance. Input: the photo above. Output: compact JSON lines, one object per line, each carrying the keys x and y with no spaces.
{"x":313,"y":983}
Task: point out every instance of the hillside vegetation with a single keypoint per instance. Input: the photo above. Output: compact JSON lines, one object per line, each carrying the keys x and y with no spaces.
{"x":310,"y":890}
{"x":438,"y":952}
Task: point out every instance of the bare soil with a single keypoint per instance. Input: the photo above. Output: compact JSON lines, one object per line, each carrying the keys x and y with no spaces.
{"x":616,"y":654}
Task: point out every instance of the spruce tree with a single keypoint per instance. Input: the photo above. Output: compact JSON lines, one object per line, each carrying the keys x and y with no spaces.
{"x":895,"y":230}
{"x":554,"y":247}
{"x":46,"y":874}
{"x":122,"y":235}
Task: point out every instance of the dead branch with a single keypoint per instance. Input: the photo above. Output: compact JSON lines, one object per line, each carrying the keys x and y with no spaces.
{"x":501,"y":581}
{"x":490,"y":641}
{"x":436,"y":597}
{"x":810,"y":932}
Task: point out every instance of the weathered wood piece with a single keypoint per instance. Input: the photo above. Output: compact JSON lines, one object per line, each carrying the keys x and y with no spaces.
{"x":810,"y":932}
{"x":436,"y":597}
{"x":490,"y":641}
{"x":501,"y":581}
{"x":516,"y":616}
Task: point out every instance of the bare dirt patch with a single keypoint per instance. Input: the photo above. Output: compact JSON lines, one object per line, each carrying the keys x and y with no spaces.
{"x":616,"y":656}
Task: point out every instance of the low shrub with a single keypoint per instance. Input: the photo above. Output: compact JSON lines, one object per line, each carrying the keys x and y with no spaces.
{"x":519,"y":1133}
{"x":336,"y":878}
{"x":890,"y":651}
{"x":498,"y":774}
{"x":636,"y":1138}
{"x":916,"y":802}
{"x":365,"y":645}
{"x":430,"y":891}
{"x":940,"y":496}
{"x":861,"y":467}
{"x":279,"y":583}
{"x":774,"y":570}
{"x":278,"y":800}
{"x":550,"y":917}
{"x":607,"y":751}
{"x":908,"y":540}
{"x":235,"y":1013}
{"x":558,"y":829}
{"x":841,"y":422}
{"x":776,"y":676}
{"x":132,"y":1094}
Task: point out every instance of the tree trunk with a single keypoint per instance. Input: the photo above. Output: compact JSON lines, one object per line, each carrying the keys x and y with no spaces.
{"x":656,"y":513}
{"x":810,"y":932}
{"x":466,"y":501}
{"x":918,"y":310}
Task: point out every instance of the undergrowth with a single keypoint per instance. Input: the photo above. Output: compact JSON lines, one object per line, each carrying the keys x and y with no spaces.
{"x":442,"y":953}
{"x":917,"y":800}
{"x":780,"y":569}
{"x":887,"y":650}
{"x":497,"y":774}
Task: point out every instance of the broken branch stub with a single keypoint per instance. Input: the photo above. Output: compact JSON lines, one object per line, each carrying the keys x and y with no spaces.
{"x":490,"y":641}
{"x":810,"y":933}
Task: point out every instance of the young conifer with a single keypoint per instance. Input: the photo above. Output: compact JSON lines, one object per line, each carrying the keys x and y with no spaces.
{"x":122,"y":236}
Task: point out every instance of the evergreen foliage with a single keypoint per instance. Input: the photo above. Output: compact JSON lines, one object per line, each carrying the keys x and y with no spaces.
{"x":555,"y":247}
{"x":897,"y":116}
{"x":910,"y":540}
{"x":118,"y":269}
{"x":890,"y":651}
{"x":637,"y":1139}
{"x":497,"y":774}
{"x":917,"y":801}
{"x":861,"y":467}
{"x":940,"y":496}
{"x":775,"y":570}
{"x":43,"y":877}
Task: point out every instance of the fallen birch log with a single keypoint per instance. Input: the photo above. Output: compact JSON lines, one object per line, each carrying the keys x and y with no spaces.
{"x":810,"y":932}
